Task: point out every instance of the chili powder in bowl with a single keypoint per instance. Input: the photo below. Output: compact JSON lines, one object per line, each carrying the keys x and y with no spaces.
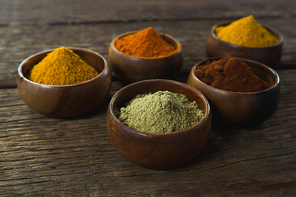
{"x":158,"y":150}
{"x":145,"y":54}
{"x":245,"y":38}
{"x":64,"y":92}
{"x":241,"y":92}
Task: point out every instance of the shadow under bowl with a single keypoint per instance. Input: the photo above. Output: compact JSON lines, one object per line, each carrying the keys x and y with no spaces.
{"x":270,"y":55}
{"x":65,"y":100}
{"x":131,"y":69}
{"x":158,"y":151}
{"x":242,"y":109}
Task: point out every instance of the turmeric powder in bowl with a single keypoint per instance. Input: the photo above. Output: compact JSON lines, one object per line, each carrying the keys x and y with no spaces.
{"x":246,"y":32}
{"x":62,"y":67}
{"x":146,"y":43}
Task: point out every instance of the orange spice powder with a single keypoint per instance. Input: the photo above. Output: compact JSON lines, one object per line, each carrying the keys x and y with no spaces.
{"x":147,"y":43}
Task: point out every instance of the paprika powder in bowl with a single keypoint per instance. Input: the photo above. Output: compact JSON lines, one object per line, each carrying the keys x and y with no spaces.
{"x":56,"y":93}
{"x":158,"y":150}
{"x":245,"y":38}
{"x":145,"y":54}
{"x":240,"y":104}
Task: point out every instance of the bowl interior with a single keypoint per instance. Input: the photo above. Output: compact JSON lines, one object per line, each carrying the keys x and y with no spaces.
{"x":170,"y":40}
{"x":90,"y":57}
{"x":264,"y":72}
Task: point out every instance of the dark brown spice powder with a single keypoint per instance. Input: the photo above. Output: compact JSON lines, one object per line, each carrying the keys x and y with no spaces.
{"x":231,"y":74}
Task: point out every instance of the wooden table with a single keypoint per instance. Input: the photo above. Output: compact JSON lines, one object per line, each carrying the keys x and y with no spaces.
{"x":43,"y":156}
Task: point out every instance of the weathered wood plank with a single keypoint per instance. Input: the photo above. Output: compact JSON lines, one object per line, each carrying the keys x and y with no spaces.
{"x":42,"y":156}
{"x":18,"y":43}
{"x":94,"y":11}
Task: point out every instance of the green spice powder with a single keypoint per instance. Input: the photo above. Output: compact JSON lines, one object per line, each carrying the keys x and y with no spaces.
{"x":161,"y":112}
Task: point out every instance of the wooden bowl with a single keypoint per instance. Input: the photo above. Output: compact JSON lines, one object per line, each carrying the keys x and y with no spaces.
{"x":132,"y":69}
{"x":65,"y":100}
{"x":270,"y":55}
{"x":158,"y":151}
{"x":241,"y":108}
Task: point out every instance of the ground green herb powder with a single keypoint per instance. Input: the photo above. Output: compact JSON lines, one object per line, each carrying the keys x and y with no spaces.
{"x":161,"y":112}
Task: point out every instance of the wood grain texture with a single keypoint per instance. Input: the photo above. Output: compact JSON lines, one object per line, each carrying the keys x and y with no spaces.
{"x":42,"y":156}
{"x":72,"y":157}
{"x":42,"y":12}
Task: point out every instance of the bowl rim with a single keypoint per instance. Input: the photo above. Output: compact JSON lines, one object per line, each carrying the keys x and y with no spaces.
{"x":20,"y":73}
{"x":277,"y":33}
{"x":207,"y":112}
{"x":177,"y":51}
{"x":275,"y":74}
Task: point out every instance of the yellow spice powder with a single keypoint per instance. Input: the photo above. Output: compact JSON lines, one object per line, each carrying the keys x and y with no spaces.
{"x":62,"y":67}
{"x":246,"y":32}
